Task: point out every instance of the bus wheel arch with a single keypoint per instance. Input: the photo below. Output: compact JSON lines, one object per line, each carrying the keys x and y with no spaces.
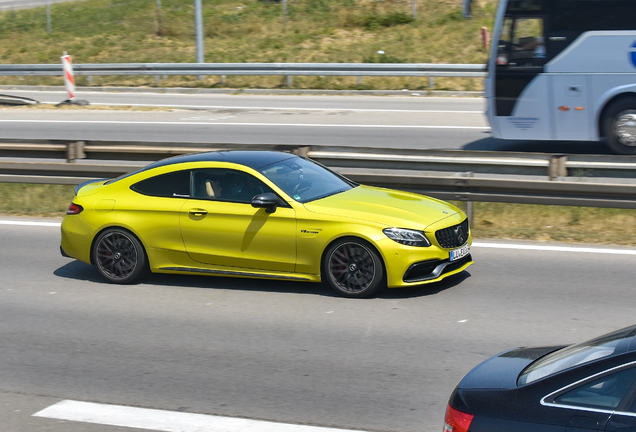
{"x":617,"y":124}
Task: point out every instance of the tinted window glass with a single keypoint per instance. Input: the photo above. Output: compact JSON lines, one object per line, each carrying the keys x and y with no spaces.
{"x":588,"y":15}
{"x":170,"y":185}
{"x":604,"y":346}
{"x":521,"y":43}
{"x":604,"y":393}
{"x":304,"y":180}
{"x":524,"y":5}
{"x":226,"y":185}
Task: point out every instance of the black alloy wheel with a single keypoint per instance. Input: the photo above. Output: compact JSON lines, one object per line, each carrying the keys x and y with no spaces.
{"x":353,"y":268}
{"x":119,"y":256}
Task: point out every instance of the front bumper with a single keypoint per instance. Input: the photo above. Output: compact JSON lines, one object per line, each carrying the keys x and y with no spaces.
{"x":435,"y":269}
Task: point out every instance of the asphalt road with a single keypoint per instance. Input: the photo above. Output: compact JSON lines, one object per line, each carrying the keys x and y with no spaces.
{"x":369,"y":121}
{"x":281,"y":351}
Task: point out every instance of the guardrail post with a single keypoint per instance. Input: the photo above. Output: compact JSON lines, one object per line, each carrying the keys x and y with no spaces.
{"x":302,"y":151}
{"x":469,"y":204}
{"x":75,"y":150}
{"x":289,"y":81}
{"x":359,"y":79}
{"x":557,"y":167}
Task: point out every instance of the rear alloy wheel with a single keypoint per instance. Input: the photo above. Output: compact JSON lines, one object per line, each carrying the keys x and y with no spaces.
{"x":353,"y":268}
{"x":620,"y":126}
{"x":119,"y":256}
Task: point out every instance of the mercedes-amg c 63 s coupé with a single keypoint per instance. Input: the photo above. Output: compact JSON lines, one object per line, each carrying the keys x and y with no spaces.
{"x":260,"y":214}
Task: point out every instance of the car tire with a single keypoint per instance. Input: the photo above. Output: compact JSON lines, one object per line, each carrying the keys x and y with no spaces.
{"x":619,"y":126}
{"x":119,"y":256}
{"x":353,"y":268}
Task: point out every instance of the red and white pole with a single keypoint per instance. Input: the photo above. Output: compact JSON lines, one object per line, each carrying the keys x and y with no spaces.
{"x":69,"y":80}
{"x":484,"y":36}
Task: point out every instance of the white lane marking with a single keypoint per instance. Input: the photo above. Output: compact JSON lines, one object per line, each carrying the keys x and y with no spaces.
{"x":166,"y":421}
{"x":30,"y":223}
{"x":475,"y":244}
{"x":263,"y":108}
{"x":242,"y":95}
{"x":554,"y":248}
{"x":172,"y":123}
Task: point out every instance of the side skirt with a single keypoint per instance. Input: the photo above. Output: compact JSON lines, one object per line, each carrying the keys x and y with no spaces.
{"x":234,"y":273}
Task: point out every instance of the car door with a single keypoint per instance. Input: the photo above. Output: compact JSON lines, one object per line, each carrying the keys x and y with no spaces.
{"x":624,"y":418}
{"x":220,"y":227}
{"x":591,"y":403}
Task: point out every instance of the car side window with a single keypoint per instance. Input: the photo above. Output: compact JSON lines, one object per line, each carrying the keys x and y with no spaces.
{"x":603,"y":393}
{"x":226,"y":185}
{"x":170,"y":185}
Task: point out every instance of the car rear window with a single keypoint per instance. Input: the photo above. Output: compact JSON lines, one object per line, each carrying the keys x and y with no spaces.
{"x":608,"y":345}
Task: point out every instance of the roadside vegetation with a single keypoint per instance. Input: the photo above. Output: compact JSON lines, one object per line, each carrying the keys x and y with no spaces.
{"x":491,"y":220}
{"x":318,"y":31}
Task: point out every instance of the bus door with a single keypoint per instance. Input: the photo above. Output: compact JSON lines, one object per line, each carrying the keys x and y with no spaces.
{"x":521,"y":91}
{"x":570,"y":107}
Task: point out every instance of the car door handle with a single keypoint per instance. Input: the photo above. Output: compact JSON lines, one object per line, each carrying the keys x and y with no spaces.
{"x":198,"y":212}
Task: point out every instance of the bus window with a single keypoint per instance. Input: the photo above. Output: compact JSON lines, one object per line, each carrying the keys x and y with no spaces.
{"x":521,"y":43}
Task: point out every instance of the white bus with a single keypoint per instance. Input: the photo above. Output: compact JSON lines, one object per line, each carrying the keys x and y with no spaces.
{"x":564,"y":70}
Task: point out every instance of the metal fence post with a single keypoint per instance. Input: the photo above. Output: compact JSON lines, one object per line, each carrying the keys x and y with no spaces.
{"x":469,"y":204}
{"x":557,"y":167}
{"x":75,"y":150}
{"x":198,"y":21}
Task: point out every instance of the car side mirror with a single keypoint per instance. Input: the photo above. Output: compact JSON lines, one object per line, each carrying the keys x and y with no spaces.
{"x":268,"y":201}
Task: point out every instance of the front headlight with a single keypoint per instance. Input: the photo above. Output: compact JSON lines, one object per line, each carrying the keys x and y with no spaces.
{"x":407,"y":237}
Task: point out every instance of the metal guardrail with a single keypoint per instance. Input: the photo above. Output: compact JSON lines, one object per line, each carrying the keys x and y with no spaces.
{"x":573,"y":180}
{"x":288,"y":69}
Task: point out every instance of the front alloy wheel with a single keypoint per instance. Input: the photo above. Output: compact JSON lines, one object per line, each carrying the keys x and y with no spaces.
{"x":119,"y":256}
{"x":353,"y":268}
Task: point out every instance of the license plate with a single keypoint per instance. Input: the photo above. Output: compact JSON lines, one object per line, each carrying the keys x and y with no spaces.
{"x":459,"y":253}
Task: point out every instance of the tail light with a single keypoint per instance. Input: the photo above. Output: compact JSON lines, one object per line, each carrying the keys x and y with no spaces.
{"x":456,"y":421}
{"x":74,"y":209}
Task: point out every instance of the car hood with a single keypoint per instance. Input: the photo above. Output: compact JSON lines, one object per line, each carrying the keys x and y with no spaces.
{"x":386,"y":207}
{"x":502,"y":371}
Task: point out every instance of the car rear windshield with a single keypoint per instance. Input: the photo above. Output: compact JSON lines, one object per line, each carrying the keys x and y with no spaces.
{"x":611,"y":344}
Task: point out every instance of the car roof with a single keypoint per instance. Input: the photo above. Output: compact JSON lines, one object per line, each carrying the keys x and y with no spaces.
{"x":254,"y":159}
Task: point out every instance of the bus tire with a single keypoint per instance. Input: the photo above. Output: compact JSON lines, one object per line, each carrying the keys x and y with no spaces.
{"x":619,"y":125}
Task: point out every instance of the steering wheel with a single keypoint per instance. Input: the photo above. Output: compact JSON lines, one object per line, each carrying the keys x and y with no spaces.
{"x":301,"y":187}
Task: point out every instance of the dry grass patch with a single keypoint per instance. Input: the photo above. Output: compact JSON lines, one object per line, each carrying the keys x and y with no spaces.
{"x":555,"y":223}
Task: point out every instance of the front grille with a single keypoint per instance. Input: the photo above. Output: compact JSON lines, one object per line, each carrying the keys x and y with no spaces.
{"x":454,"y":236}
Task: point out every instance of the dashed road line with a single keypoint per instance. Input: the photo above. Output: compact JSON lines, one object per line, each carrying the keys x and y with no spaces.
{"x":165,"y":421}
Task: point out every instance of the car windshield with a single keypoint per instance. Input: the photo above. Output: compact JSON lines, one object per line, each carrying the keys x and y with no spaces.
{"x":305,"y":180}
{"x":611,"y":344}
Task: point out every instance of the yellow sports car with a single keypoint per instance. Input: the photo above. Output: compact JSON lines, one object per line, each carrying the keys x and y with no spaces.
{"x":261,"y":214}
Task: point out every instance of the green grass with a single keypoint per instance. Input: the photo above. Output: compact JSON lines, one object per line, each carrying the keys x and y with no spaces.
{"x":19,"y":199}
{"x":331,"y":31}
{"x":554,"y":223}
{"x":491,"y":220}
